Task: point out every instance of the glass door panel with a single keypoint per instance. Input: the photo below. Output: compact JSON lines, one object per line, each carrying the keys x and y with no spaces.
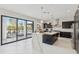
{"x":8,"y":29}
{"x":29,"y":28}
{"x":21,"y":29}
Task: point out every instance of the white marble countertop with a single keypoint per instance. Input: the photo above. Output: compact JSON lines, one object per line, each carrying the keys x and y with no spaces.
{"x":50,"y":33}
{"x":63,"y":30}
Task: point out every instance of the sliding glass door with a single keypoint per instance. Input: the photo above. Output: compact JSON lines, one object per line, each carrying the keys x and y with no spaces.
{"x":15,"y":29}
{"x":8,"y":29}
{"x":29,"y":28}
{"x":21,"y":29}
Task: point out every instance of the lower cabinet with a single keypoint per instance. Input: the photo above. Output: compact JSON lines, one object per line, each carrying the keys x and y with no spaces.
{"x":50,"y":39}
{"x":66,"y":34}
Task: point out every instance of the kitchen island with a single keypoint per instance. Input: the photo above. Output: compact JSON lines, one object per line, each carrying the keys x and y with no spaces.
{"x":46,"y":37}
{"x":39,"y":47}
{"x":50,"y":38}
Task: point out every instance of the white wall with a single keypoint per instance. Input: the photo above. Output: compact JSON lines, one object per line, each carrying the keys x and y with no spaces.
{"x":14,"y":14}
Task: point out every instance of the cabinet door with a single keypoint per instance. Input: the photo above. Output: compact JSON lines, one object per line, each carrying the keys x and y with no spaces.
{"x":65,"y":34}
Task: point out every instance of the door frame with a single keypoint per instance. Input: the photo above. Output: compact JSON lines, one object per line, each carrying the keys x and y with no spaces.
{"x":16,"y":29}
{"x":32,"y":26}
{"x":2,"y":29}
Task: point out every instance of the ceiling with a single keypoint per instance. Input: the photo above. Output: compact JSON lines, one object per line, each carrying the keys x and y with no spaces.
{"x":65,"y":11}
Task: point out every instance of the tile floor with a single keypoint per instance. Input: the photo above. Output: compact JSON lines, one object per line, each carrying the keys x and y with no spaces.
{"x":20,"y":47}
{"x":64,"y":43}
{"x":25,"y":46}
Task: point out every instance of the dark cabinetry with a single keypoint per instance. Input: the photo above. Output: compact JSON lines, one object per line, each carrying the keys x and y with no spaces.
{"x":50,"y":39}
{"x":65,"y":34}
{"x":45,"y":25}
{"x":67,"y":24}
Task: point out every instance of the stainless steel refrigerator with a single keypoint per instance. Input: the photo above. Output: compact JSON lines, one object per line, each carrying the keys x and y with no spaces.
{"x":76,"y":31}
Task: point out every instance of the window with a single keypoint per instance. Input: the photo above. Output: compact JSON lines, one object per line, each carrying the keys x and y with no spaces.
{"x":15,"y":29}
{"x":21,"y":29}
{"x":8,"y":29}
{"x":29,"y":28}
